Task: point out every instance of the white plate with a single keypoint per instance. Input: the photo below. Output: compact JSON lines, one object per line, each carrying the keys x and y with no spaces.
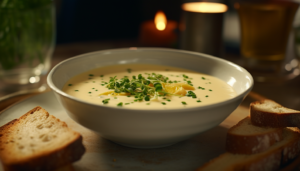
{"x":103,"y":155}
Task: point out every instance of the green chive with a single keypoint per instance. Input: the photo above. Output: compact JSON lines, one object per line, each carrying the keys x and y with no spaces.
{"x":105,"y":101}
{"x":184,"y":103}
{"x":120,"y":104}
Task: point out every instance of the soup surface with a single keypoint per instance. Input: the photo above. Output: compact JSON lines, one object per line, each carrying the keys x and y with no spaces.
{"x":153,"y":87}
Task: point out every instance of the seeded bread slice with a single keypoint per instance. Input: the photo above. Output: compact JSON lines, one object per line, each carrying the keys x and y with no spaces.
{"x":246,"y":138}
{"x":38,"y":141}
{"x":275,"y":157}
{"x":270,"y":113}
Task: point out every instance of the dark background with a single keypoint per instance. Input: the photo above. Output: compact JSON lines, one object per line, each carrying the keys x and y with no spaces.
{"x":99,"y":20}
{"x":92,"y":20}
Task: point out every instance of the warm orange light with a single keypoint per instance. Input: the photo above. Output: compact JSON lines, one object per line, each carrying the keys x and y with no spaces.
{"x":204,"y":7}
{"x":160,"y":20}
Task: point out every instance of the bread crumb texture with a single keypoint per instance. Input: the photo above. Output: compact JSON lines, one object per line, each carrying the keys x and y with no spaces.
{"x":32,"y":134}
{"x":273,"y":107}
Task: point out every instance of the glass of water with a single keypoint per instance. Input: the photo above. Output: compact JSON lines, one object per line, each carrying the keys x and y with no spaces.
{"x":27,"y":39}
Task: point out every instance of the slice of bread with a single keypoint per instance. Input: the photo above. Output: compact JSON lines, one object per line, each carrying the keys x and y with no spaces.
{"x":38,"y":141}
{"x":246,"y":138}
{"x":278,"y":155}
{"x":270,"y":113}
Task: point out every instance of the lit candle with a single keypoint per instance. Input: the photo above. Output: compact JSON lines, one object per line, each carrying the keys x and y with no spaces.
{"x":202,"y":27}
{"x":204,"y":7}
{"x":158,"y":32}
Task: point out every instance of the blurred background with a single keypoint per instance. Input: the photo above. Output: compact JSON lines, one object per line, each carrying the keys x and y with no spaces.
{"x":91,"y":20}
{"x":83,"y":26}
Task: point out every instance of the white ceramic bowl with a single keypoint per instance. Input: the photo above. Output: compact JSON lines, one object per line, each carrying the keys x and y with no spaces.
{"x":149,"y":128}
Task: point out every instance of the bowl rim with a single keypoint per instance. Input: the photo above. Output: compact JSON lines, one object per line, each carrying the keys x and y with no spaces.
{"x":241,"y":95}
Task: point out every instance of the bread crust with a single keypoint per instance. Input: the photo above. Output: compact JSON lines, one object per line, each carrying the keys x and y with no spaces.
{"x":273,"y":119}
{"x":44,"y":160}
{"x":251,"y":143}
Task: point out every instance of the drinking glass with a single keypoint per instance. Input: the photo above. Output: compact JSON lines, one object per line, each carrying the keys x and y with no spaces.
{"x":26,"y":43}
{"x":265,"y":30}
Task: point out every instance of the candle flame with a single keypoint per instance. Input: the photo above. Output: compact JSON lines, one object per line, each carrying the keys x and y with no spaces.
{"x":204,"y":7}
{"x":160,"y":20}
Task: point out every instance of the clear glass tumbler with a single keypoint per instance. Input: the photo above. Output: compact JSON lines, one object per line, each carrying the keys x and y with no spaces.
{"x":27,"y":39}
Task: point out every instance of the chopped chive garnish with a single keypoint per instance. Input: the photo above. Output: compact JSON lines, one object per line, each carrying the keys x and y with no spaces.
{"x":127,"y":103}
{"x":90,"y":92}
{"x":191,"y":94}
{"x":129,"y":70}
{"x":91,"y":75}
{"x":163,"y":103}
{"x":93,"y":88}
{"x":201,"y":88}
{"x":76,"y":90}
{"x":115,"y":97}
{"x":69,"y":84}
{"x":206,"y":96}
{"x":105,"y":101}
{"x":101,"y":75}
{"x":198,"y":101}
{"x":120,"y":104}
{"x":143,"y":88}
{"x":147,"y":103}
{"x":184,"y":103}
{"x":168,"y":100}
{"x":102,"y":84}
{"x":210,"y":89}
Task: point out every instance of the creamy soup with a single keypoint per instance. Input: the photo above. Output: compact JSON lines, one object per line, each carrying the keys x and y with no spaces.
{"x":151,"y":87}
